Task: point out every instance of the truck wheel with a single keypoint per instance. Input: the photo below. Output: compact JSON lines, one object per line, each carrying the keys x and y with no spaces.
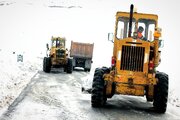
{"x":98,"y":97}
{"x":47,"y":64}
{"x":69,"y":66}
{"x":87,"y":69}
{"x":65,"y":69}
{"x":161,"y":92}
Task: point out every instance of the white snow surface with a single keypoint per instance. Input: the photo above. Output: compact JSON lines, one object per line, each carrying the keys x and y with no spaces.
{"x":14,"y":76}
{"x":27,"y":25}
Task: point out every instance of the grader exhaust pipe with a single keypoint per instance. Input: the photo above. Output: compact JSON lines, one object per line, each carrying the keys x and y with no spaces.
{"x":130,"y":20}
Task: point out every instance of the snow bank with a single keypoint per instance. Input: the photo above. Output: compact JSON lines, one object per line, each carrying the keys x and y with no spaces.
{"x":14,"y":75}
{"x":174,"y":97}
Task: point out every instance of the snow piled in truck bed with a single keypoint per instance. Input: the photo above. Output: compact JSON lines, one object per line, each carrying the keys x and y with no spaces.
{"x":14,"y":76}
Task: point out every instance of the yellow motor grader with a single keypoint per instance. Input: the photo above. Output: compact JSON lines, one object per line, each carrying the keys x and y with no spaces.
{"x":134,"y":62}
{"x":58,"y":56}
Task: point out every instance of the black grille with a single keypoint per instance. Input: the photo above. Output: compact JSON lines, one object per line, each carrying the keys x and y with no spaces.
{"x":132,"y":58}
{"x":60,"y":53}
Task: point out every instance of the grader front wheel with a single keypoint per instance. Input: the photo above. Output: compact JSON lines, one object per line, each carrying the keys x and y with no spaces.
{"x":161,"y":93}
{"x":47,"y":64}
{"x":98,"y":97}
{"x":69,"y":66}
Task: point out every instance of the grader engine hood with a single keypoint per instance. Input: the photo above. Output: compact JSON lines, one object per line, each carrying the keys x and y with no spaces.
{"x":60,"y":52}
{"x":132,"y":56}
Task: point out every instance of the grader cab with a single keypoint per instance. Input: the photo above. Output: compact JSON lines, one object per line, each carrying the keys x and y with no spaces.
{"x":134,"y":63}
{"x":58,"y":56}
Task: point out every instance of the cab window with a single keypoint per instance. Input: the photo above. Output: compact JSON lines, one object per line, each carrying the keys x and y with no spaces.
{"x":53,"y":43}
{"x":149,"y":27}
{"x":123,"y":26}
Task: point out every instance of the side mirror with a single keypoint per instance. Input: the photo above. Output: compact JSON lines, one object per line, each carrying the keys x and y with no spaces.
{"x":161,"y":43}
{"x":110,"y":37}
{"x":47,"y":46}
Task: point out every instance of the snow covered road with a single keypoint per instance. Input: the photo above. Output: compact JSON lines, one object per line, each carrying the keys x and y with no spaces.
{"x":57,"y":96}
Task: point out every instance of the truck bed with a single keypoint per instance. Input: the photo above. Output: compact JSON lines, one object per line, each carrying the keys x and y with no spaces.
{"x":81,"y":50}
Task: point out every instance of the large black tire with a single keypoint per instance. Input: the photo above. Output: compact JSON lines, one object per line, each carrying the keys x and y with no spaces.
{"x":87,"y":69}
{"x":69,"y":66}
{"x":161,"y":92}
{"x":47,"y":64}
{"x":98,"y":95}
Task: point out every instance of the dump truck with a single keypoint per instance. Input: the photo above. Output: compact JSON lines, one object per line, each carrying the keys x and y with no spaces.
{"x":58,"y":56}
{"x":82,"y":54}
{"x":134,"y":63}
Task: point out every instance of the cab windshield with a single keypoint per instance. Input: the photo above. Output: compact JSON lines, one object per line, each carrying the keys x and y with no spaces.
{"x":58,"y":43}
{"x":123,"y":27}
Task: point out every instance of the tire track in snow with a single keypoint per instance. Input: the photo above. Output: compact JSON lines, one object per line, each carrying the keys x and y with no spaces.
{"x":19,"y":99}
